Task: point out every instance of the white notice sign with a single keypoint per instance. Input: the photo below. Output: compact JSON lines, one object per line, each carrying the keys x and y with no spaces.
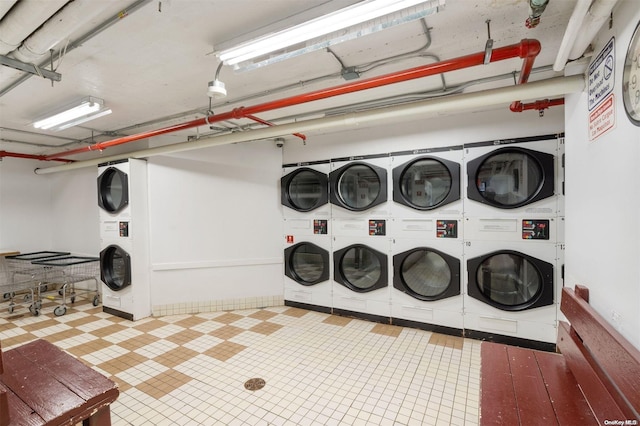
{"x":601,"y":75}
{"x":602,"y":119}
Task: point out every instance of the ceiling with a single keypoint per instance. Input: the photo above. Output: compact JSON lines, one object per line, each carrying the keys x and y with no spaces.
{"x":151,"y":62}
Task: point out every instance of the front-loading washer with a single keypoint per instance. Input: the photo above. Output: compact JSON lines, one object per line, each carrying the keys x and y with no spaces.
{"x":426,"y":182}
{"x":514,"y":177}
{"x":307,"y":264}
{"x":358,"y":186}
{"x":361,"y":268}
{"x":124,"y":238}
{"x":304,"y":190}
{"x":513,"y":284}
{"x":427,"y":257}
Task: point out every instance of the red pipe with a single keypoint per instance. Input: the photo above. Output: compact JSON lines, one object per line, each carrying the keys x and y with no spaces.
{"x":270,"y":124}
{"x":527,"y":49}
{"x":29,"y":156}
{"x":537,"y":105}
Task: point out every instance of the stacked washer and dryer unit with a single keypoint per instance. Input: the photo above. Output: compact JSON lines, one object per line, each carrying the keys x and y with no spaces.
{"x":124,"y":238}
{"x":426,"y":229}
{"x":513,"y":232}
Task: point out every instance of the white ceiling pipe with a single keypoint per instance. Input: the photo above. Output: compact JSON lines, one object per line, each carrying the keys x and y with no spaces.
{"x":451,"y":104}
{"x":5,"y":6}
{"x":57,"y":28}
{"x":573,"y":28}
{"x":23,"y":19}
{"x":598,"y":13}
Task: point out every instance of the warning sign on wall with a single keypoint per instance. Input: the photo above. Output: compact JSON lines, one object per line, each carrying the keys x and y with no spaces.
{"x":601,"y":75}
{"x":602,"y":119}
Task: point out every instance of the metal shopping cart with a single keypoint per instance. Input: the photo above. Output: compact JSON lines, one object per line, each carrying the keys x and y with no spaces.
{"x":68,"y":271}
{"x":24,"y":279}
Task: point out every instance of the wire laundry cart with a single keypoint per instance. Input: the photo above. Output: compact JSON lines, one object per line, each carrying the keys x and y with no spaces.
{"x":69,"y":270}
{"x":25,"y":280}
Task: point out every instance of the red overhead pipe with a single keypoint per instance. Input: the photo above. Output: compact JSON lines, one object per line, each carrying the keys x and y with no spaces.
{"x":537,"y":105}
{"x":527,"y":49}
{"x":29,"y":156}
{"x":270,"y":124}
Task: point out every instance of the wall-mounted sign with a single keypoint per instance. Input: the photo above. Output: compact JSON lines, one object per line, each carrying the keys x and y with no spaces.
{"x":603,"y":118}
{"x":602,"y":75}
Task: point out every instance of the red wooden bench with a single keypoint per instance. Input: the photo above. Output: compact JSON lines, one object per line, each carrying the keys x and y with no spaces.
{"x":42,"y":385}
{"x":595,"y":379}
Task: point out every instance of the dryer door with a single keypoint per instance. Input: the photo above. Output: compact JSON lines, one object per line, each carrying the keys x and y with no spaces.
{"x":358,"y":186}
{"x":306,"y":263}
{"x":426,"y":274}
{"x":304,"y":189}
{"x":426,"y":183}
{"x":510,"y":280}
{"x":360,"y":268}
{"x":113,"y":190}
{"x":115,"y":267}
{"x":511,"y":177}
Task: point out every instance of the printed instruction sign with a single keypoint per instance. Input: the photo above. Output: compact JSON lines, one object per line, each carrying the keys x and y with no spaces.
{"x":602,"y":119}
{"x":602,"y":75}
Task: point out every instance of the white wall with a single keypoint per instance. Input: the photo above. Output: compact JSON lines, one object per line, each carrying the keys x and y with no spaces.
{"x":215,"y":225}
{"x":25,"y":215}
{"x":603,"y":196}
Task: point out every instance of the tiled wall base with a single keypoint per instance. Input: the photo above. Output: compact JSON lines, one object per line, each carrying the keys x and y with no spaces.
{"x":218,"y":305}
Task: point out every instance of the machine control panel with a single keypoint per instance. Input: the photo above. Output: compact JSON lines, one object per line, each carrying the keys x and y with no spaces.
{"x":377,"y":227}
{"x":535,"y":229}
{"x":320,"y":226}
{"x":447,"y":229}
{"x":123,"y":229}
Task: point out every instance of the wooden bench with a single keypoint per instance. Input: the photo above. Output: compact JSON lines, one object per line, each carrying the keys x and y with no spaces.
{"x":595,"y":379}
{"x":42,"y":385}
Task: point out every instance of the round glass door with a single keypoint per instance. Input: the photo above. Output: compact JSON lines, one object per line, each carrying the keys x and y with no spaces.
{"x":361,"y":268}
{"x":113,"y":193}
{"x":426,"y":183}
{"x":305,"y":189}
{"x":307,"y":264}
{"x":358,"y":186}
{"x":115,"y":268}
{"x":427,"y":274}
{"x":511,"y":280}
{"x":511,"y":177}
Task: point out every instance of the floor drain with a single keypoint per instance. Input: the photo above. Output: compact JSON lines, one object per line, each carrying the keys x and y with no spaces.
{"x":254,"y":384}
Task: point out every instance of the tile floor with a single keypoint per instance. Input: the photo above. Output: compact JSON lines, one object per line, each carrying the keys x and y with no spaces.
{"x":318,"y":369}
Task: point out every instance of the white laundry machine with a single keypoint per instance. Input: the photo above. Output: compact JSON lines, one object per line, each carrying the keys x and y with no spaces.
{"x":359,"y":186}
{"x":514,"y":177}
{"x":304,"y":190}
{"x":513,"y":273}
{"x":361,"y":268}
{"x":307,"y":264}
{"x":427,"y":182}
{"x":124,"y":238}
{"x":427,"y":259}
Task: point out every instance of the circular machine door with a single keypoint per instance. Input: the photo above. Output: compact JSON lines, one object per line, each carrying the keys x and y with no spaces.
{"x":304,"y":189}
{"x":426,"y":274}
{"x":511,"y":177}
{"x":510,"y":280}
{"x":113,"y":190}
{"x":358,"y":186}
{"x":306,"y":263}
{"x":426,"y":183}
{"x":115,"y":267}
{"x":360,"y":268}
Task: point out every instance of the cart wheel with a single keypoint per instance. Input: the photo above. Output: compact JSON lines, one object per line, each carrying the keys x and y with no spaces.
{"x":10,"y":309}
{"x":27,"y":297}
{"x":73,"y":299}
{"x":44,"y":288}
{"x":59,"y":292}
{"x":8,"y":295}
{"x":34,"y":310}
{"x":60,"y":311}
{"x":96,"y":300}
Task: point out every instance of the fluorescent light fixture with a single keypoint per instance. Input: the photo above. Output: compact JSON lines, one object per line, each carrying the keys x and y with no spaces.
{"x":365,"y":11}
{"x":87,"y":109}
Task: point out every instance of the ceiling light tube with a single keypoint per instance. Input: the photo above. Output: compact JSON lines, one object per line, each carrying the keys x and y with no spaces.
{"x":343,"y":18}
{"x":87,"y":109}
